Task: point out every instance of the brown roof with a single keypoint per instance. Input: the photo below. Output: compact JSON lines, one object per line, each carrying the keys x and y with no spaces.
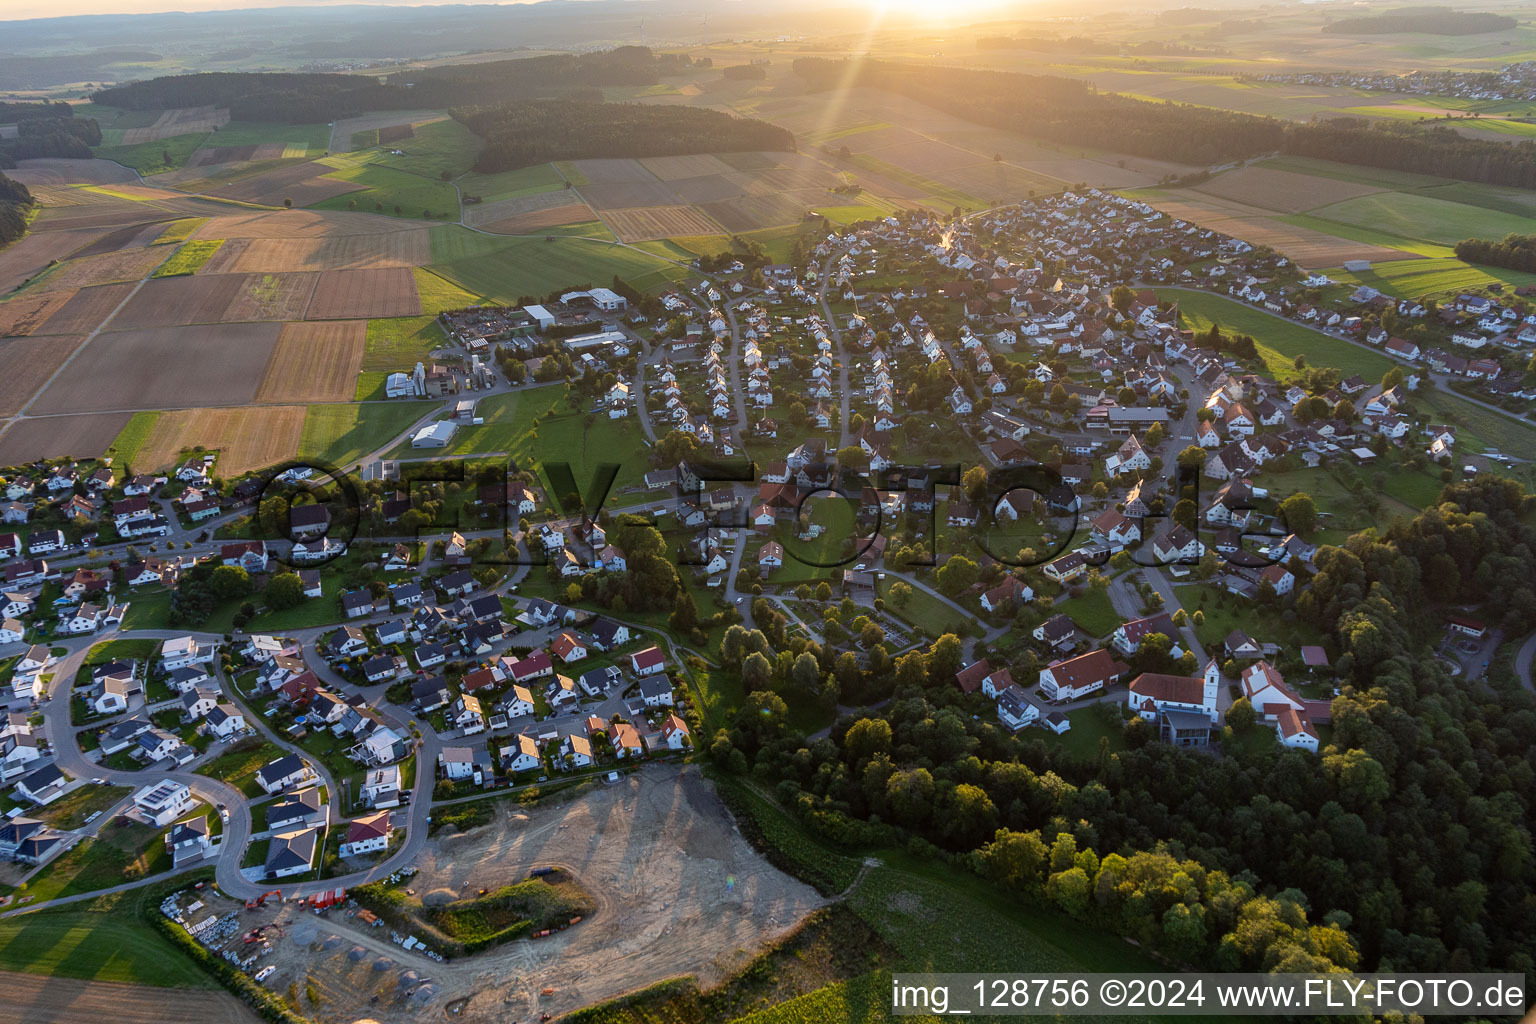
{"x":1179,"y":689}
{"x":1095,"y":666}
{"x":969,"y":678}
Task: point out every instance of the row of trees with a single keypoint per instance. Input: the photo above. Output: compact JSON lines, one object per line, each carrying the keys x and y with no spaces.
{"x":15,"y":203}
{"x":1514,"y":252}
{"x":1071,"y":111}
{"x":527,"y":132}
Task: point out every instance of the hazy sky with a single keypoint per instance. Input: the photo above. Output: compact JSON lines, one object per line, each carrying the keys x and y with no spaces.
{"x":15,"y":10}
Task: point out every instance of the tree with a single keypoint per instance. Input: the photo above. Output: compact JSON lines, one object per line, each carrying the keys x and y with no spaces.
{"x":1241,"y":716}
{"x":957,"y":574}
{"x":1192,"y":457}
{"x":975,"y":483}
{"x":756,"y":672}
{"x":1126,"y":396}
{"x":901,"y":593}
{"x":229,"y":581}
{"x":685,"y":614}
{"x":823,"y":591}
{"x":1185,"y":514}
{"x":1298,"y":513}
{"x":284,"y":590}
{"x":287,"y":204}
{"x":1122,"y":298}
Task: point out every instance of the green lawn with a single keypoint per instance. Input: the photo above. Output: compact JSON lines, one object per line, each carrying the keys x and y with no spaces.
{"x":400,"y":193}
{"x":925,"y":612}
{"x":120,"y":853}
{"x":1279,"y":340}
{"x":340,"y":433}
{"x":399,"y":342}
{"x":518,"y":267}
{"x":1225,"y":612}
{"x":149,"y":609}
{"x":1092,"y":612}
{"x":239,"y":766}
{"x":1480,"y":428}
{"x":104,"y":939}
{"x":1423,"y":217}
{"x":189,"y":259}
{"x":70,"y":810}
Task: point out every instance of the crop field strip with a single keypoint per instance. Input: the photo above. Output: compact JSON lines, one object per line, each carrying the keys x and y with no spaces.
{"x":346,"y":294}
{"x":654,"y":222}
{"x":1309,"y":247}
{"x":1285,"y":191}
{"x":183,"y":121}
{"x":27,"y":314}
{"x":335,"y":252}
{"x":29,"y":362}
{"x":85,"y":311}
{"x":542,"y":220}
{"x":32,"y":254}
{"x":316,"y":361}
{"x":82,"y":435}
{"x":164,"y":368}
{"x":107,"y":268}
{"x":272,"y":297}
{"x":481,"y":214}
{"x":246,"y":437}
{"x":179,"y":301}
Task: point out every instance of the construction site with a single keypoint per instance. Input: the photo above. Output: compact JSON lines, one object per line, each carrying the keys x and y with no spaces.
{"x":674,"y":887}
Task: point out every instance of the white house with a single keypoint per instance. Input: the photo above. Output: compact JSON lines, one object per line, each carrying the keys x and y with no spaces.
{"x":367,"y":835}
{"x":163,"y":802}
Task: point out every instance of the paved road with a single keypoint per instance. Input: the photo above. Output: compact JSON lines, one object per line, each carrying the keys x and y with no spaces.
{"x":1523,"y":662}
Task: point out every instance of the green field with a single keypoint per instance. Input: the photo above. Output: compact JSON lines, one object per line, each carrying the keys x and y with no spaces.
{"x":1366,"y":235}
{"x":238,"y":765}
{"x":1092,"y":612}
{"x":188,"y":259}
{"x":180,"y":230}
{"x":1350,"y":172}
{"x":437,"y":293}
{"x":924,"y":612}
{"x":302,"y":139}
{"x":398,"y":342}
{"x":339,"y":433}
{"x":434,"y":148}
{"x":120,"y":853}
{"x":104,"y":939}
{"x":400,"y":193}
{"x":154,"y":157}
{"x":127,"y":444}
{"x":517,"y":267}
{"x":1411,"y":215}
{"x":1418,"y":279}
{"x":1279,"y":340}
{"x":525,"y":181}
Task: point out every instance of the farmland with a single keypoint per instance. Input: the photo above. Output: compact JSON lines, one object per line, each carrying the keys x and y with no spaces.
{"x":189,"y":258}
{"x":338,"y":434}
{"x":26,"y":314}
{"x":29,"y":362}
{"x":1424,"y":217}
{"x":532,"y":266}
{"x":392,"y":344}
{"x":344,"y":294}
{"x":80,"y":435}
{"x":178,"y":301}
{"x":246,"y":437}
{"x":314,"y":362}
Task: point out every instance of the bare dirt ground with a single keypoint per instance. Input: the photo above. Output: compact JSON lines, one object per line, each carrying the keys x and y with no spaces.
{"x":182,"y":121}
{"x":83,"y":436}
{"x":342,"y":135}
{"x":678,"y":891}
{"x":32,"y":999}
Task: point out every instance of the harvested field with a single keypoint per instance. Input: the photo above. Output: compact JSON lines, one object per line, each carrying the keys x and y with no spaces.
{"x":34,"y":252}
{"x":477,"y":214}
{"x":999,"y":181}
{"x":134,"y":236}
{"x":314,"y":362}
{"x":59,"y":171}
{"x":623,"y":195}
{"x":271,"y":297}
{"x":26,"y":314}
{"x":605,"y":172}
{"x":668,"y":168}
{"x":182,"y":121}
{"x":221,"y":155}
{"x":175,"y":301}
{"x":55,"y":196}
{"x":128,"y":265}
{"x":533,"y":223}
{"x":752,"y":212}
{"x":29,"y":362}
{"x":394,"y":133}
{"x":1307,"y":247}
{"x":877,"y":137}
{"x":82,"y":436}
{"x":658,"y":222}
{"x":778,"y":179}
{"x":1284,"y":191}
{"x":677,"y":892}
{"x":301,"y":182}
{"x":345,"y":294}
{"x":299,"y":224}
{"x":249,"y":437}
{"x":750,"y":161}
{"x":926,"y":156}
{"x":710,"y":188}
{"x":411,"y":248}
{"x":88,"y":308}
{"x":165,"y":368}
{"x":32,"y":997}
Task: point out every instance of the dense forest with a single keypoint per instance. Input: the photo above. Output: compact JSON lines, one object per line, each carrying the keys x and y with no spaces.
{"x":308,"y":98}
{"x":1405,"y":845}
{"x":15,"y":201}
{"x":1072,"y":111}
{"x":1436,"y":21}
{"x":1090,"y":44}
{"x":1514,"y":252}
{"x":46,"y":130}
{"x":532,"y":132}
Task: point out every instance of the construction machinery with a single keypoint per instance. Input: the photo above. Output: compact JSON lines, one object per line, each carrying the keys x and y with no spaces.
{"x":261,"y":901}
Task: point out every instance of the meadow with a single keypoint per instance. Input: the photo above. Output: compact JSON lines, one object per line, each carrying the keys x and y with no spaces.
{"x":518,"y":267}
{"x":1422,"y":217}
{"x":1427,"y":278}
{"x":1279,"y":340}
{"x":338,"y":434}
